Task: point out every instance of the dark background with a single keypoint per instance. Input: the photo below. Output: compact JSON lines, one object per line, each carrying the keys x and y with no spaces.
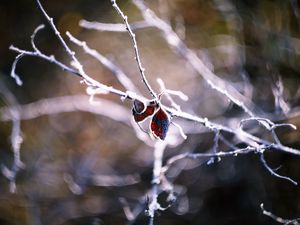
{"x":258,"y":40}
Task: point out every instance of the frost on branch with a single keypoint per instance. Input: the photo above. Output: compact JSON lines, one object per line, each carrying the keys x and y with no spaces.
{"x":161,"y":120}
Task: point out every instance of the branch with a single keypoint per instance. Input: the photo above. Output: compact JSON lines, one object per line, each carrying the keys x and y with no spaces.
{"x":63,"y":104}
{"x":113,"y":27}
{"x":189,"y":155}
{"x":122,"y":77}
{"x":50,"y":59}
{"x":242,"y":135}
{"x":272,"y":172}
{"x":75,"y":62}
{"x":136,"y":50}
{"x":279,"y":219}
{"x":245,"y":137}
{"x":174,"y":41}
{"x":154,"y":205}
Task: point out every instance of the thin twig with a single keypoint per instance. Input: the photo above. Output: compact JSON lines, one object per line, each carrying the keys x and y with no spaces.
{"x":272,"y":172}
{"x":113,"y":27}
{"x":168,"y":93}
{"x":174,"y":41}
{"x":136,"y":50}
{"x":254,"y":143}
{"x":62,"y":104}
{"x":122,"y":77}
{"x":88,"y":80}
{"x":279,"y":219}
{"x":40,"y":27}
{"x":50,"y":59}
{"x":189,"y":155}
{"x":13,"y":69}
{"x":154,"y":205}
{"x":242,"y":135}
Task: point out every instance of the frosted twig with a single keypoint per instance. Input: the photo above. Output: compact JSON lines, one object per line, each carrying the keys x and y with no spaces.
{"x":168,"y":93}
{"x":244,"y":136}
{"x":157,"y":169}
{"x":122,"y":77}
{"x":254,"y":143}
{"x":62,"y":41}
{"x":74,"y":103}
{"x":113,"y":27}
{"x":136,"y":50}
{"x":183,"y":135}
{"x":272,"y":172}
{"x":279,"y":219}
{"x":50,"y":59}
{"x":174,"y":41}
{"x":249,"y":139}
{"x":62,"y":104}
{"x":75,"y":62}
{"x":13,"y":68}
{"x":269,"y":125}
{"x":220,"y":154}
{"x":35,"y":48}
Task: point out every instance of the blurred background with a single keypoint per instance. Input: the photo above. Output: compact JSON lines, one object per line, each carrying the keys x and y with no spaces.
{"x":85,"y":168}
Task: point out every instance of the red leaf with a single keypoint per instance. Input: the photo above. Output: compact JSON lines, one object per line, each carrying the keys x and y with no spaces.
{"x":140,"y":111}
{"x":160,"y":124}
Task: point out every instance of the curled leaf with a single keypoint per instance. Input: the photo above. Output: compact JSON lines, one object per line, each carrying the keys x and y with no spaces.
{"x":141,"y":111}
{"x":160,"y":124}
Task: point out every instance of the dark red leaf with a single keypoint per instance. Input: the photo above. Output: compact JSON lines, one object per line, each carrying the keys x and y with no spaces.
{"x":160,"y":124}
{"x":141,"y":112}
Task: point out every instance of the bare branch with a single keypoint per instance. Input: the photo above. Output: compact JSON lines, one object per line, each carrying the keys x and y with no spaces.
{"x":112,"y":27}
{"x":269,"y":125}
{"x":88,"y":80}
{"x":13,"y":69}
{"x":35,"y":48}
{"x":168,"y":93}
{"x":272,"y":172}
{"x":68,"y":104}
{"x":136,"y":50}
{"x":174,"y":41}
{"x":279,"y":219}
{"x":243,"y":136}
{"x":189,"y":155}
{"x":154,"y":205}
{"x":122,"y":77}
{"x":50,"y":59}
